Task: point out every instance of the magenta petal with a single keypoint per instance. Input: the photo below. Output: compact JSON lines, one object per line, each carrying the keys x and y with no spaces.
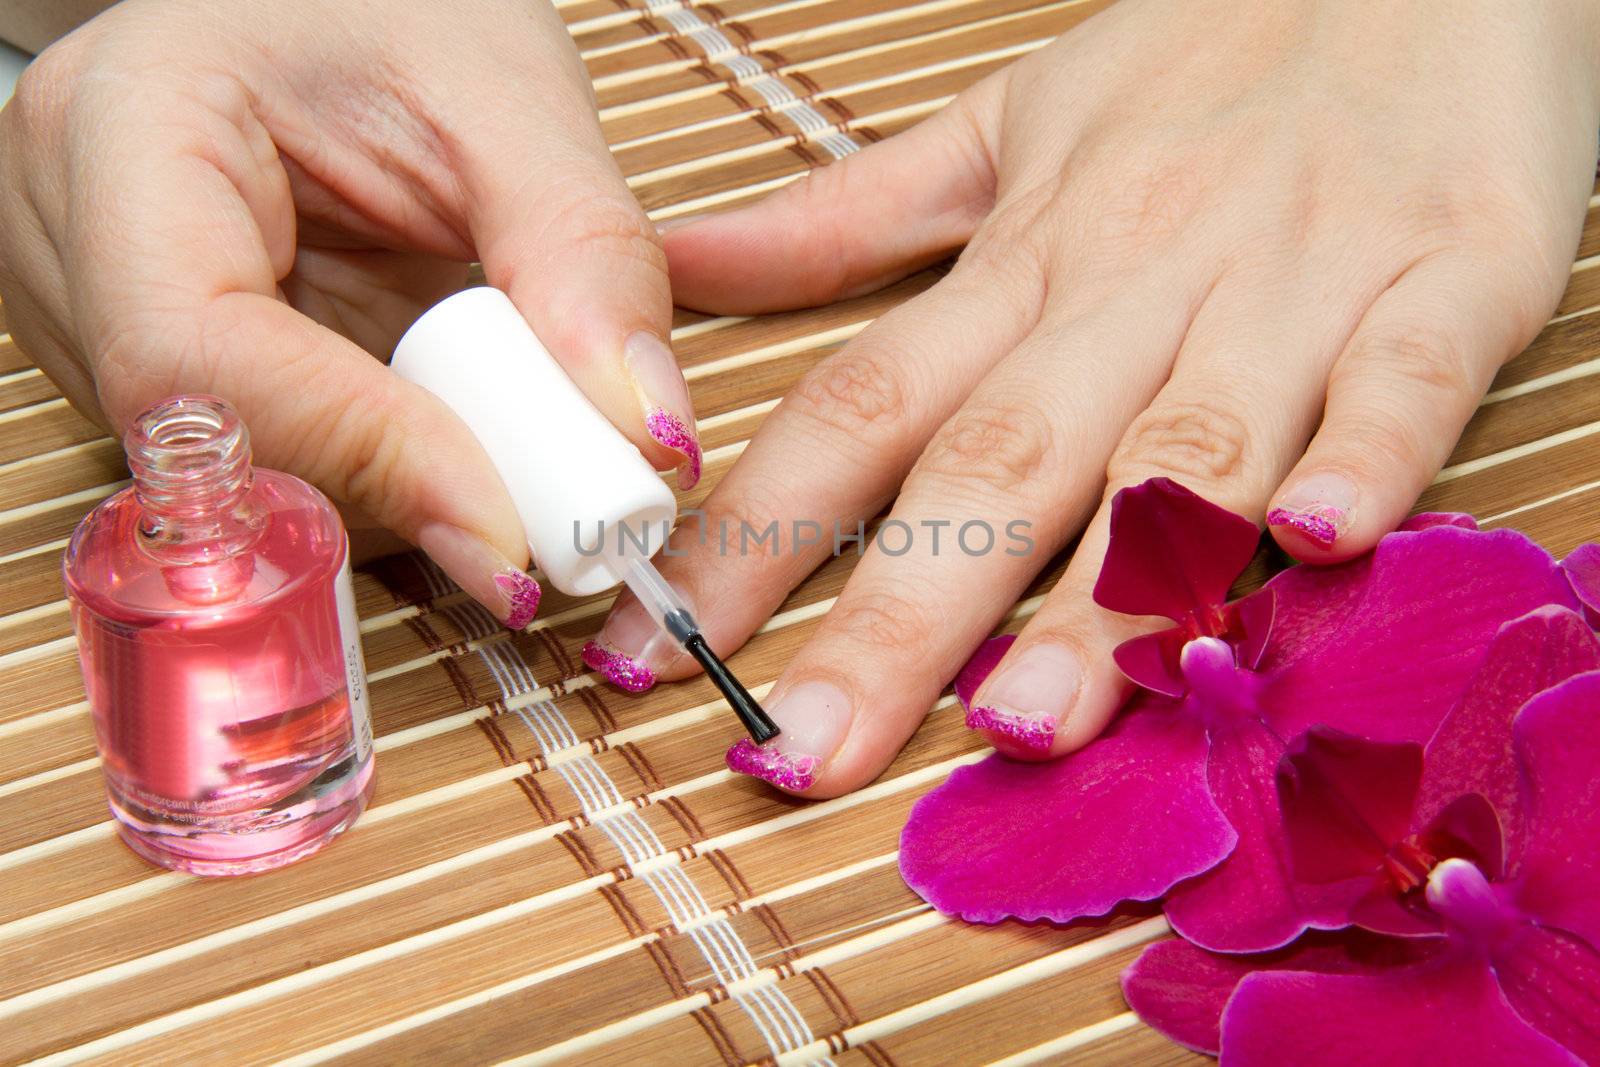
{"x":1121,"y":819}
{"x":1172,"y":553}
{"x":1428,"y":519}
{"x":1444,"y":1013}
{"x":1552,"y":979}
{"x":1582,"y":568}
{"x":1149,"y":660}
{"x":980,"y":666}
{"x":1346,"y":802}
{"x":1469,"y":828}
{"x":1557,"y":738}
{"x":1181,"y":990}
{"x":1384,"y":651}
{"x":1382,"y":912}
{"x":1252,"y":619}
{"x":1250,"y":901}
{"x":1471,"y":750}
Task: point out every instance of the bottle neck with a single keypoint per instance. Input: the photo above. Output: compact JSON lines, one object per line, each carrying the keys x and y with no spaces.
{"x":190,"y":459}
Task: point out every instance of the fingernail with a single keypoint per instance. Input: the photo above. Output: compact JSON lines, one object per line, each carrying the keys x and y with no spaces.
{"x":1317,"y":507}
{"x":620,"y":669}
{"x":521,"y":595}
{"x":669,"y":414}
{"x":814,"y":718}
{"x":1028,"y":696}
{"x":630,"y":648}
{"x":486,"y":575}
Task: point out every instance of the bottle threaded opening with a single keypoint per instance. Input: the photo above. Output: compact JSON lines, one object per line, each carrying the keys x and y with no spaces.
{"x":189,"y":455}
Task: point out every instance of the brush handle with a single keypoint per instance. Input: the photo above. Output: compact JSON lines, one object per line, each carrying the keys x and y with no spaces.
{"x":755,"y":719}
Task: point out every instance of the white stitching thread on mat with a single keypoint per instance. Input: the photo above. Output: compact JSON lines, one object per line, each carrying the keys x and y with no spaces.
{"x":778,"y":96}
{"x":768,"y":1008}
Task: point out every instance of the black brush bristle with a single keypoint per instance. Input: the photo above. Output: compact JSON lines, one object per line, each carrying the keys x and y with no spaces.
{"x":755,"y":719}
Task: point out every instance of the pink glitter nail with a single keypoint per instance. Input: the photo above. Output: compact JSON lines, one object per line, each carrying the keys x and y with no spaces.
{"x":670,"y":430}
{"x":522,"y":595}
{"x":795,"y":773}
{"x":622,"y":671}
{"x":1318,"y":524}
{"x":1036,"y":732}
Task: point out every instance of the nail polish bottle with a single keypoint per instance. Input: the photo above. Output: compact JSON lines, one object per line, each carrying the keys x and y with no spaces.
{"x":217,"y":632}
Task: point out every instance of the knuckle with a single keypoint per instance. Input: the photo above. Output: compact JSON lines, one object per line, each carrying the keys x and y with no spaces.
{"x":1190,"y":440}
{"x":1383,"y":439}
{"x":1000,"y":448}
{"x":825,"y":238}
{"x":853,"y":392}
{"x":881,"y":619}
{"x":370,"y":458}
{"x":1008,"y":245}
{"x":605,"y":227}
{"x":746,"y":514}
{"x":819,"y":191}
{"x":1152,"y":199}
{"x":618,"y":225}
{"x":1414,"y":353}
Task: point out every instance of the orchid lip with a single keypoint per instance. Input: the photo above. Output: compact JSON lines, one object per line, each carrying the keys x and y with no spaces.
{"x":1217,"y":685}
{"x":1460,"y":894}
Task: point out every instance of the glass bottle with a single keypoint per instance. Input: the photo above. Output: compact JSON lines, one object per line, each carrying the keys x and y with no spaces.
{"x":217,"y":633}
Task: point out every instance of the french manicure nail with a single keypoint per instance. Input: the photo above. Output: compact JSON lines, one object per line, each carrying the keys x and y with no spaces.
{"x":814,"y":718}
{"x":521,"y":595}
{"x":669,"y":414}
{"x":630,"y":648}
{"x":1029,"y":695}
{"x":486,"y":575}
{"x":626,"y":672}
{"x":1317,"y":507}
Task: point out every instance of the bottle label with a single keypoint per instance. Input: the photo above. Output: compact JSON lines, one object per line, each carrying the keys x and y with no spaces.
{"x":355,"y":665}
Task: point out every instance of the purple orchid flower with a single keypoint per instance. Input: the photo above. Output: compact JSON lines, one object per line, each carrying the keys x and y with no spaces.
{"x":1480,"y":858}
{"x":1177,"y":796}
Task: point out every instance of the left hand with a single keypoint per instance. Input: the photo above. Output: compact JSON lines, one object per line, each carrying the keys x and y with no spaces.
{"x":1274,"y":251}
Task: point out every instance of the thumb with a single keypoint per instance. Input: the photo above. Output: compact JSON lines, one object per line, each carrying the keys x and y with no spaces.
{"x":558,"y":230}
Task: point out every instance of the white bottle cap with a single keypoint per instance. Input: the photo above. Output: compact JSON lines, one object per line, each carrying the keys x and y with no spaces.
{"x":562,"y":460}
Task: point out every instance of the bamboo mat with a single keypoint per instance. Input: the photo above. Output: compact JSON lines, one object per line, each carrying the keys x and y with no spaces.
{"x":552,"y":870}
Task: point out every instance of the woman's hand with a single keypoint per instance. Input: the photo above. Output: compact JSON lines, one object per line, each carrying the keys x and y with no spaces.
{"x":1275,"y":251}
{"x":254,"y":199}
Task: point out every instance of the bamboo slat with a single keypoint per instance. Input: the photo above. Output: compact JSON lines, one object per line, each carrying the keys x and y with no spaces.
{"x":554,"y":871}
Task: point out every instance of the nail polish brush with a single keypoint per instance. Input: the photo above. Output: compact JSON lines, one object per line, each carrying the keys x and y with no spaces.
{"x":590,"y":503}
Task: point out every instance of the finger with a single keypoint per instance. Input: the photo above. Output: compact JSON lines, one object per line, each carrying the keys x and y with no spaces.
{"x":829,"y":456}
{"x":1398,"y":399}
{"x":849,"y":227}
{"x":1238,"y":408}
{"x":1013,"y":473}
{"x":558,"y":229}
{"x":176,"y":293}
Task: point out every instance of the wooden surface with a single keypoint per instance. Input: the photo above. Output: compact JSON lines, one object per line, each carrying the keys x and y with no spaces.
{"x":554,"y":870}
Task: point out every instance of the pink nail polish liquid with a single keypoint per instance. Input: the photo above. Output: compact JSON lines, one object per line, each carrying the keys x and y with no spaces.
{"x":217,"y":632}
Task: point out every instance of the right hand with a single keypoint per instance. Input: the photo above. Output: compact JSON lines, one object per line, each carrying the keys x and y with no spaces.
{"x":254,"y":200}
